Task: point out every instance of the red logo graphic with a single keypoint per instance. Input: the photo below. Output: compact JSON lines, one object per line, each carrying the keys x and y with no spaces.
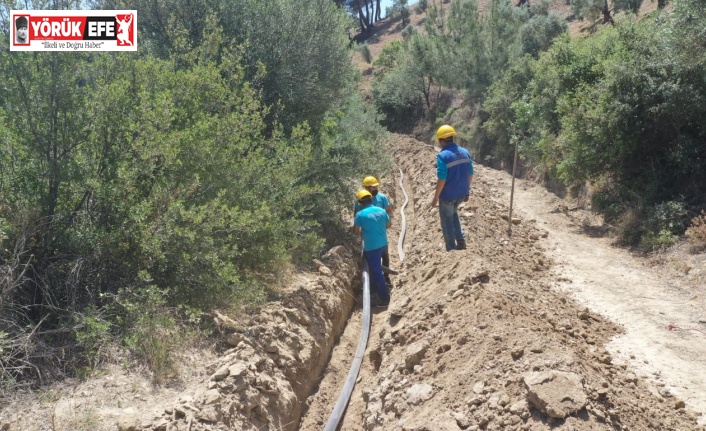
{"x":126,"y":31}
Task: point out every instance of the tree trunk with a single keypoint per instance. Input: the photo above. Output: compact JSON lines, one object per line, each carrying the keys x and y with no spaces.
{"x":377,"y":13}
{"x":426,"y":91}
{"x":607,"y":18}
{"x":362,"y":18}
{"x":369,"y":14}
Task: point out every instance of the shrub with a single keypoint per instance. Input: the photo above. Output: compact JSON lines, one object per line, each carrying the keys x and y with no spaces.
{"x":397,"y":97}
{"x":408,"y":32}
{"x":653,"y":241}
{"x":365,"y":53}
{"x":651,"y":228}
{"x":696,"y":233}
{"x":422,"y":6}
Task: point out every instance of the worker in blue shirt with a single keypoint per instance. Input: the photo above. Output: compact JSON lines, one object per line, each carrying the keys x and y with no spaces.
{"x":380,"y":200}
{"x":372,"y":222}
{"x":454,"y":172}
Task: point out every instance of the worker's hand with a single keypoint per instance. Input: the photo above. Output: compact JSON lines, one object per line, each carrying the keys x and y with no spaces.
{"x":467,"y":197}
{"x":435,"y":202}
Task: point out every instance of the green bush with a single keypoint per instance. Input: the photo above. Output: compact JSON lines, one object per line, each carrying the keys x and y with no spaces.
{"x":408,"y":31}
{"x":152,"y":333}
{"x":397,"y":97}
{"x":365,"y":53}
{"x":390,"y":58}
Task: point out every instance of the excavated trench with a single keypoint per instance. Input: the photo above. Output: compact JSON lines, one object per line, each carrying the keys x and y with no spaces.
{"x":333,"y":388}
{"x":288,"y":364}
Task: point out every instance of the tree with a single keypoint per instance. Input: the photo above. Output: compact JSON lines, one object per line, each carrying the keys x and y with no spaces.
{"x":592,"y":9}
{"x":297,"y":53}
{"x":399,"y":7}
{"x":538,"y":33}
{"x":424,"y":61}
{"x":367,"y":11}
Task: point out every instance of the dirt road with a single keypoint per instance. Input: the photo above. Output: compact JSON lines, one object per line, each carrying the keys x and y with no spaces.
{"x":644,"y":301}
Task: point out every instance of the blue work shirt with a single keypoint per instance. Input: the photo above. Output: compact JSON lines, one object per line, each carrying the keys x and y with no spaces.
{"x":380,"y":201}
{"x":454,"y":164}
{"x":372,"y":222}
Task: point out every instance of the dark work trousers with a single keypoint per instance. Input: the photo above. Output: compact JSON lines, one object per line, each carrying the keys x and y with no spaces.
{"x":386,"y":262}
{"x":377,"y":279}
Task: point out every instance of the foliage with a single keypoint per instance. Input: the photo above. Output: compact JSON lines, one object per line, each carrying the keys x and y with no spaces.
{"x":592,"y":9}
{"x":390,"y":58}
{"x":365,"y":53}
{"x":458,"y":45}
{"x":398,"y":100}
{"x":625,"y":108}
{"x":93,"y":333}
{"x":172,"y":190}
{"x":422,"y":6}
{"x":404,"y":77}
{"x":348,"y":145}
{"x":539,"y":31}
{"x":501,"y":106}
{"x":296,"y":53}
{"x":696,"y":232}
{"x":408,"y":32}
{"x":399,"y":8}
{"x":152,"y":332}
{"x":137,"y":190}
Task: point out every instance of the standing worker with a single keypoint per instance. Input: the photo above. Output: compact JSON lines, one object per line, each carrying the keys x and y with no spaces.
{"x":380,"y":200}
{"x":373,"y":222}
{"x":454,"y":172}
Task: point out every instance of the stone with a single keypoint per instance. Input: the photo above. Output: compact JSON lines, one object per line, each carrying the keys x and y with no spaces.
{"x":419,"y":393}
{"x":221,"y":374}
{"x":212,"y":396}
{"x":128,"y":422}
{"x":415,"y":353}
{"x":556,"y":393}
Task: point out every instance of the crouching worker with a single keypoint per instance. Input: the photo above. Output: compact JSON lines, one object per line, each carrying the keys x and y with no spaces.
{"x":373,"y":222}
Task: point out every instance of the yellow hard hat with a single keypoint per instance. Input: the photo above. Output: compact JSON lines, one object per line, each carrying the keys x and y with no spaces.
{"x":370,"y":182}
{"x":363,"y":194}
{"x":445,"y":131}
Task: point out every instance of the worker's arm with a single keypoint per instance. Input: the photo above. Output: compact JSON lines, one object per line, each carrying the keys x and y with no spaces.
{"x":437,"y":192}
{"x":441,"y":172}
{"x":470,"y":183}
{"x":356,"y":224}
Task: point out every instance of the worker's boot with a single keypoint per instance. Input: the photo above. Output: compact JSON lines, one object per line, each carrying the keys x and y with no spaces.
{"x":460,"y":244}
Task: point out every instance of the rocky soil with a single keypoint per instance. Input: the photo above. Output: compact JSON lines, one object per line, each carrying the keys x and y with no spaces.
{"x":515,"y":333}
